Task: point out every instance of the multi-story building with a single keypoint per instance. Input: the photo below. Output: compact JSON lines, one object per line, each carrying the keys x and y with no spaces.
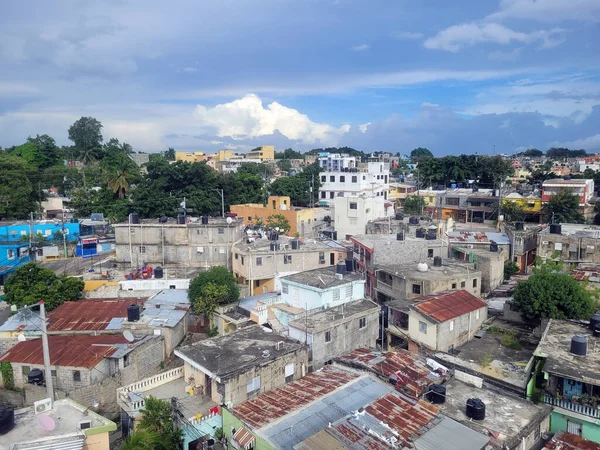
{"x":351,"y":214}
{"x":261,"y":263}
{"x":489,"y":263}
{"x":342,"y":177}
{"x":531,"y":205}
{"x":301,"y":220}
{"x":572,"y":243}
{"x":263,"y":153}
{"x":12,"y":256}
{"x":584,"y":189}
{"x":524,"y":243}
{"x":400,"y":191}
{"x":197,"y":243}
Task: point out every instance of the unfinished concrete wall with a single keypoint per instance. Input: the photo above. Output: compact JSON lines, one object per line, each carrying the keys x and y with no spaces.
{"x":455,"y":332}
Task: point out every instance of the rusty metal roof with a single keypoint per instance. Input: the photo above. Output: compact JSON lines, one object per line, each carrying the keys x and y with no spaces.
{"x":90,"y":314}
{"x":412,"y":367}
{"x":70,"y":351}
{"x":568,"y":441}
{"x":273,"y":405}
{"x":448,"y":305}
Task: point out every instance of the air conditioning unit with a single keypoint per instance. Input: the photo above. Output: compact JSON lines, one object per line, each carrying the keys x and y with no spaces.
{"x":42,"y":406}
{"x":84,"y":424}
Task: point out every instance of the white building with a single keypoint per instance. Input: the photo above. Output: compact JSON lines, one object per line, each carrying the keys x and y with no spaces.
{"x":351,"y":214}
{"x":342,"y":177}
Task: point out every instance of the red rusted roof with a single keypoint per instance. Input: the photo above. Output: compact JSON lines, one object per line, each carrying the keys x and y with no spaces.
{"x":89,"y":314}
{"x":70,"y":351}
{"x":273,"y":405}
{"x":411,"y":367}
{"x":244,"y":438}
{"x":448,"y":305}
{"x":351,"y":435}
{"x":568,"y":441}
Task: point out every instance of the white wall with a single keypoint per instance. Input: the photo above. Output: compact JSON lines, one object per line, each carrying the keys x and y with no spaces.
{"x":155,"y":283}
{"x":348,"y":221}
{"x":302,"y":296}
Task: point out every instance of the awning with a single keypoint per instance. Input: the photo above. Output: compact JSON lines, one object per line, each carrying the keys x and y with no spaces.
{"x":60,"y":443}
{"x":244,"y":438}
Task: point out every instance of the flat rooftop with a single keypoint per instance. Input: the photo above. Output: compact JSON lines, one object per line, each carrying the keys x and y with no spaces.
{"x":505,"y":416}
{"x":170,"y":297}
{"x":555,"y":346}
{"x":65,"y":414}
{"x":193,"y":222}
{"x":189,"y":405}
{"x":575,"y":230}
{"x":448,"y":270}
{"x":377,"y":241}
{"x":322,"y":278}
{"x":234,"y":353}
{"x":323,"y":320}
{"x":478,"y":237}
{"x":263,"y":245}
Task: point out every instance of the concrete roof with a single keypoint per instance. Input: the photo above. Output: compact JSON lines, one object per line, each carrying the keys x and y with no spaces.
{"x":576,"y":230}
{"x":192,"y":222}
{"x":322,"y":278}
{"x":478,"y":237}
{"x":448,"y":270}
{"x":382,"y":241}
{"x":555,"y":346}
{"x":66,"y":415}
{"x":562,"y":182}
{"x":172,"y":297}
{"x":225,"y":356}
{"x":262,"y":245}
{"x":324,"y":320}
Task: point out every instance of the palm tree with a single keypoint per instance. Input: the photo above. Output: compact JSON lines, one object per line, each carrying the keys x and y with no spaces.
{"x":121,"y":174}
{"x":145,"y":440}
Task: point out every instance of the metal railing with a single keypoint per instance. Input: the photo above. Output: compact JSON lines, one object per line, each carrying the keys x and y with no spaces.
{"x":586,"y":410}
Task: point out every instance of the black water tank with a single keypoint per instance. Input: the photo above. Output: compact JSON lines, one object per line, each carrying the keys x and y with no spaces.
{"x":163,"y":219}
{"x":437,"y":394}
{"x":555,"y":228}
{"x":596,"y":331}
{"x":595,"y":321}
{"x":475,"y":409}
{"x":493,"y":246}
{"x":274,"y":236}
{"x":579,"y":345}
{"x":437,"y":261}
{"x":349,"y":265}
{"x":519,"y":226}
{"x":340,"y":268}
{"x":399,"y":216}
{"x":272,"y":246}
{"x":475,"y":189}
{"x":431,"y":235}
{"x":204,"y":220}
{"x":413,"y":220}
{"x":295,"y":244}
{"x":133,"y":313}
{"x":7,"y":419}
{"x":420,"y":233}
{"x":567,"y":177}
{"x":35,"y":376}
{"x":134,"y":218}
{"x":181,"y":219}
{"x":400,"y":236}
{"x":158,"y":272}
{"x":334,"y":236}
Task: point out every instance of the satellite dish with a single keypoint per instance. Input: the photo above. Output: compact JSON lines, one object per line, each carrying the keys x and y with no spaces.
{"x":127,"y":335}
{"x":21,"y":337}
{"x":46,"y":423}
{"x":229,"y":220}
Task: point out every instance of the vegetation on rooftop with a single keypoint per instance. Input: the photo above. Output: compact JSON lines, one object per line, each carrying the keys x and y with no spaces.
{"x":156,"y":429}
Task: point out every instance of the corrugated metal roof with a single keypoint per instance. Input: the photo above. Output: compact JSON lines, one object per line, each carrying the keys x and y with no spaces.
{"x":60,"y":443}
{"x":568,"y":441}
{"x":70,"y":351}
{"x":451,"y":435}
{"x":161,"y":317}
{"x":448,"y":305}
{"x":83,"y":315}
{"x":478,"y":237}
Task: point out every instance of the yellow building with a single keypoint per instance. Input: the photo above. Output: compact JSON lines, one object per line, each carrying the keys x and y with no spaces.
{"x":532,"y":205}
{"x":430,"y":197}
{"x":264,"y":153}
{"x":301,"y":219}
{"x":222,"y":155}
{"x":191,"y":157}
{"x":399,"y":192}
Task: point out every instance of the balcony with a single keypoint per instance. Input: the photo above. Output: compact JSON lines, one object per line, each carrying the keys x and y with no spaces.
{"x":586,"y":410}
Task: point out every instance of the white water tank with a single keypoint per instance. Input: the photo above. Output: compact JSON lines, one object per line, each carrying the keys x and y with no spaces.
{"x":422,"y":267}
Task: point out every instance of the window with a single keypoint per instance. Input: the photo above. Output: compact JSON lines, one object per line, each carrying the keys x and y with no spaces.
{"x":76,"y":375}
{"x":323,"y":194}
{"x":452,"y":325}
{"x":362,"y":322}
{"x":48,"y":233}
{"x":142,"y":249}
{"x":332,"y":178}
{"x":336,"y":294}
{"x":430,"y":253}
{"x":364,"y":177}
{"x":354,"y":179}
{"x":284,"y":289}
{"x":253,"y":386}
{"x":220,"y":230}
{"x":323,"y":178}
{"x":331,"y":194}
{"x":353,"y":205}
{"x":477,"y":315}
{"x":453,"y":285}
{"x":453,"y":201}
{"x":321,"y":257}
{"x":422,"y":327}
{"x":25,"y":370}
{"x":256,"y":283}
{"x":342,"y":179}
{"x":416,"y":288}
{"x":349,"y":291}
{"x":462,"y":284}
{"x":53,"y":373}
{"x":328,"y":336}
{"x":259,"y":261}
{"x":250,"y":218}
{"x":242,"y":260}
{"x":10,"y":253}
{"x":574,"y":427}
{"x":474,"y":282}
{"x":289,"y":372}
{"x":235,"y":255}
{"x":287,"y":259}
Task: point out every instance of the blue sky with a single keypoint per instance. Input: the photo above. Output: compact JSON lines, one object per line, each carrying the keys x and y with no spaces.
{"x":390,"y":75}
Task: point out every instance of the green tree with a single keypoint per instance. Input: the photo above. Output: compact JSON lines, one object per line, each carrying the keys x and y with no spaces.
{"x":414,"y":204}
{"x":157,"y":420}
{"x":31,"y":283}
{"x":289,"y":153}
{"x":532,"y":153}
{"x":513,"y":212}
{"x":564,"y":207}
{"x":219,"y":276}
{"x":87,"y":137}
{"x":278,"y":221}
{"x":211,"y":296}
{"x":550,"y":293}
{"x":170,"y":154}
{"x":120,"y":174}
{"x":284,"y":164}
{"x":17,"y":196}
{"x":420,"y":152}
{"x":510,"y":268}
{"x":145,"y":440}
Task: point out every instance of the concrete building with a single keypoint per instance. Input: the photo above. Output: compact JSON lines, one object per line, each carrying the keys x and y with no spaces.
{"x":567,"y":377}
{"x":263,"y":153}
{"x":241,"y":365}
{"x":342,"y":177}
{"x":399,"y":192}
{"x":55,"y":206}
{"x":572,"y":243}
{"x":259,"y":264}
{"x":524,"y":243}
{"x":74,"y":427}
{"x":193,"y":244}
{"x":352,"y":213}
{"x":404,"y":281}
{"x":481,"y":239}
{"x":490,"y":264}
{"x":438,"y":322}
{"x":301,"y":220}
{"x":531,"y":204}
{"x":584,"y":189}
{"x":13,"y":255}
{"x":334,"y":331}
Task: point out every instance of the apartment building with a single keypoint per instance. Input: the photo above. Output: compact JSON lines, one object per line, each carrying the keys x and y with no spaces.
{"x":263,"y":153}
{"x":351,"y":214}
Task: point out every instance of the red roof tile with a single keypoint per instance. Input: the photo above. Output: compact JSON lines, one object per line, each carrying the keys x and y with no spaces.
{"x":568,"y":441}
{"x":70,"y":351}
{"x":448,"y":305}
{"x":90,"y":314}
{"x":273,"y":405}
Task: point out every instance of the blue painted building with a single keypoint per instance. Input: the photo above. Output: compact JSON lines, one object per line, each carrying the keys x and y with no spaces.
{"x":18,"y":231}
{"x":12,"y":256}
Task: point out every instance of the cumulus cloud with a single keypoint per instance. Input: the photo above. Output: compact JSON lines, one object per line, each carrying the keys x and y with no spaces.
{"x":407,"y":35}
{"x":360,"y":48}
{"x":457,"y":37}
{"x":247,"y":118}
{"x":591,"y":143}
{"x":548,"y":10}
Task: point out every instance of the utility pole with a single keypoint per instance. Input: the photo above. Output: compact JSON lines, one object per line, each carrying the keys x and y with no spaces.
{"x":222,"y":202}
{"x":46,"y":351}
{"x":32,"y":247}
{"x":64,"y":234}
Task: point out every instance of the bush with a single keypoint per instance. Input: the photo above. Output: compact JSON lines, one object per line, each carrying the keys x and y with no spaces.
{"x":216,"y":275}
{"x":7,"y":375}
{"x":510,"y":340}
{"x":510,"y":268}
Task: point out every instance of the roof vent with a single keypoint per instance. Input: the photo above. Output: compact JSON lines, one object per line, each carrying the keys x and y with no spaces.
{"x":266,"y":353}
{"x":579,"y":345}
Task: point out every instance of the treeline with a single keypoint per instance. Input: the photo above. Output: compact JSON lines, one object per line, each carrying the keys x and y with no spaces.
{"x":487,"y":171}
{"x":554,"y":152}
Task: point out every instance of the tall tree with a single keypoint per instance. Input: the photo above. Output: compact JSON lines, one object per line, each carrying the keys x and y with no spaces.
{"x":120,"y":174}
{"x":87,"y":137}
{"x":420,"y":152}
{"x":157,"y":419}
{"x":17,"y":195}
{"x":564,"y":207}
{"x":219,"y":276}
{"x":414,"y":204}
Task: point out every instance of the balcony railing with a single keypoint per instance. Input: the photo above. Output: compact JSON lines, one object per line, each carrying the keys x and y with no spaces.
{"x":127,"y":396}
{"x":586,"y":410}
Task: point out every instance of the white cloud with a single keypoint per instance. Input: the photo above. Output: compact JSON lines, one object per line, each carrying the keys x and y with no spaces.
{"x":360,"y":48}
{"x":248,"y":118}
{"x":457,"y":37}
{"x":407,"y":35}
{"x":548,"y":10}
{"x":189,"y":69}
{"x":364,"y":127}
{"x":588,"y":143}
{"x":512,"y":55}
